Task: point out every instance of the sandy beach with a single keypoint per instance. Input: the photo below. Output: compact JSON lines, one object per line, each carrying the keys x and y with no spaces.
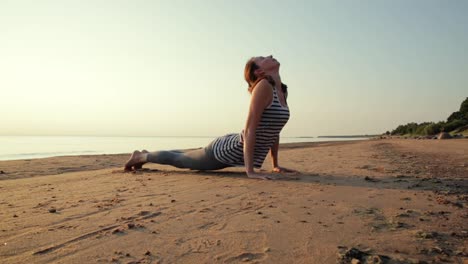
{"x":400,"y":201}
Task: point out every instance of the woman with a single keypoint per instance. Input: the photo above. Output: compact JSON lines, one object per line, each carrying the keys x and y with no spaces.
{"x":268,"y":113}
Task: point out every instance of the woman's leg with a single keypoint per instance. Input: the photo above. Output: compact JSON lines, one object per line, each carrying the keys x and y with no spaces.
{"x":140,"y":165}
{"x":198,"y":159}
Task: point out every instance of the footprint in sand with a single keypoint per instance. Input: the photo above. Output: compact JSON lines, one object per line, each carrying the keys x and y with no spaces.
{"x":207,"y":225}
{"x":205,"y":210}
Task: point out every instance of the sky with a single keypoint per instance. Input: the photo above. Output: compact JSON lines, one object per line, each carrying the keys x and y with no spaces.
{"x":175,"y":68}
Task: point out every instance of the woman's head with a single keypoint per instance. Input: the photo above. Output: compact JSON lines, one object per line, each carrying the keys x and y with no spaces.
{"x":250,"y":73}
{"x":267,"y":64}
{"x":258,"y":68}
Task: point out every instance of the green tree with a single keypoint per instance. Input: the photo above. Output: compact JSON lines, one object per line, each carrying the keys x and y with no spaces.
{"x":432,"y":129}
{"x":455,"y":121}
{"x":454,"y":125}
{"x":459,"y":118}
{"x":455,"y":116}
{"x":464,"y":107}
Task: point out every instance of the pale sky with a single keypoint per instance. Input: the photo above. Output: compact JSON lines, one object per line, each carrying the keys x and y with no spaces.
{"x":175,"y":68}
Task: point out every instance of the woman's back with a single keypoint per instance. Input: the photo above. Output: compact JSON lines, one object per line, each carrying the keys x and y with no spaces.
{"x":229,"y":148}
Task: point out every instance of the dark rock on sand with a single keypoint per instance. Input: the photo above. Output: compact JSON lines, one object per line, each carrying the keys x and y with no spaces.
{"x":402,"y":215}
{"x":117,"y":230}
{"x":370,"y":179}
{"x":354,"y":255}
{"x":426,"y":235}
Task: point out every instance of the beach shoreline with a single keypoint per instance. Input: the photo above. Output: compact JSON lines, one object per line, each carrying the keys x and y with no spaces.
{"x":33,"y":167}
{"x":34,"y":147}
{"x":400,"y":198}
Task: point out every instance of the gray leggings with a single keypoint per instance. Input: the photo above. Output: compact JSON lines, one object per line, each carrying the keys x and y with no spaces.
{"x":198,"y":159}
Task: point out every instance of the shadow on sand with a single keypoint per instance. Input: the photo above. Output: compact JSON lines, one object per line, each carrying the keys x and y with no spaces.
{"x":401,"y":182}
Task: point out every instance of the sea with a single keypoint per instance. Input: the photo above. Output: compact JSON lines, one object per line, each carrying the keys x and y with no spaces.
{"x":34,"y":147}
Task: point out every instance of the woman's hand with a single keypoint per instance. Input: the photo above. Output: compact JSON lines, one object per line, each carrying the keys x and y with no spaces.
{"x":279,"y":169}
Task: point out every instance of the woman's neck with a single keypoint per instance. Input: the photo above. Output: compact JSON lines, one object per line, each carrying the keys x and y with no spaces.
{"x":276,"y":77}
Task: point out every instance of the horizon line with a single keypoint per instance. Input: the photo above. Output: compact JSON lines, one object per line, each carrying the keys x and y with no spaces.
{"x":147,"y":136}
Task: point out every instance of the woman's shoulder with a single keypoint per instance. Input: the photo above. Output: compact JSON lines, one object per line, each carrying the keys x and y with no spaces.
{"x":264,"y":85}
{"x":262,"y":95}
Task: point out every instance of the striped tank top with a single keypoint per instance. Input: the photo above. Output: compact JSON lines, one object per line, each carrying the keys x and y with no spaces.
{"x":229,"y":149}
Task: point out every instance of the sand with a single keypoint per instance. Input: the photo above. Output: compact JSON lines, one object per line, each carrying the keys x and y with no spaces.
{"x":402,"y":201}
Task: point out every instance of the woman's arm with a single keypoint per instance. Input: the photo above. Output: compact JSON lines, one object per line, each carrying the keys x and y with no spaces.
{"x":262,"y":95}
{"x":274,"y":153}
{"x":274,"y":158}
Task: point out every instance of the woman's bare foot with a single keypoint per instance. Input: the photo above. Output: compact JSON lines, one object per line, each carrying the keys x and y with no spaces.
{"x":137,"y":159}
{"x":139,"y":166}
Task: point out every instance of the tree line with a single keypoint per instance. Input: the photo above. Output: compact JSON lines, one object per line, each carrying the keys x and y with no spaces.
{"x":456,"y":122}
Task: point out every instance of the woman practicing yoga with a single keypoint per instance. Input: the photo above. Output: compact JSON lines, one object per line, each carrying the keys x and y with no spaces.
{"x":268,"y":113}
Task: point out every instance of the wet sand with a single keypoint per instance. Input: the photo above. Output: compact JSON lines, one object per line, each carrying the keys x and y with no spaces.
{"x":400,"y":201}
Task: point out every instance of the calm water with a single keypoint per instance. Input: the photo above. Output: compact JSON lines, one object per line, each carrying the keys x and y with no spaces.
{"x":31,"y":147}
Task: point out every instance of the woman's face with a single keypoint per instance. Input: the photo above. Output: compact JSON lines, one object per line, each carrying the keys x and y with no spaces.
{"x":266,"y":63}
